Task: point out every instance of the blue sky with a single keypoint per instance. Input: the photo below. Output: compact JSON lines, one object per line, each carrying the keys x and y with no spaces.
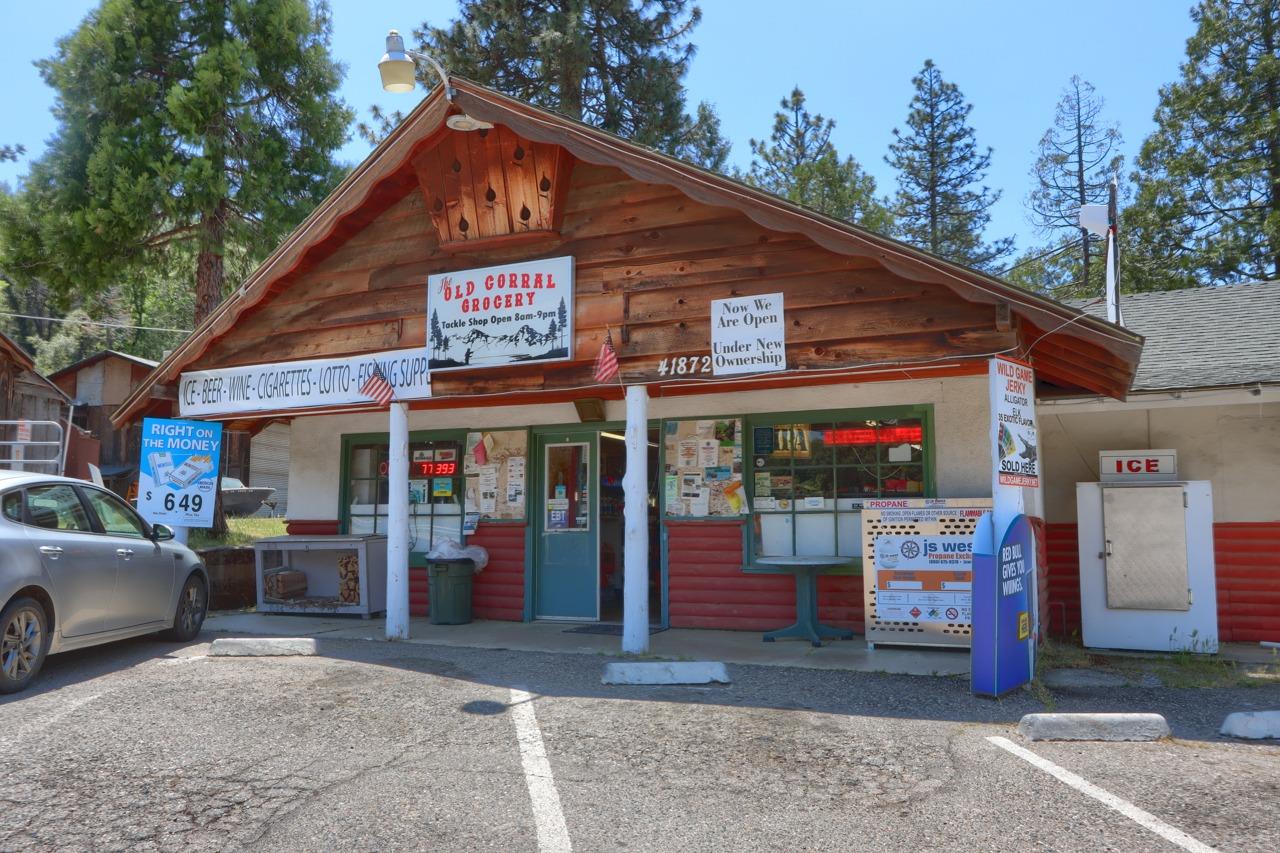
{"x":854,"y":60}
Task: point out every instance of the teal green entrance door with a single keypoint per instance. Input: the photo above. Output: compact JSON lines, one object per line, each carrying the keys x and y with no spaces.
{"x":567,"y":567}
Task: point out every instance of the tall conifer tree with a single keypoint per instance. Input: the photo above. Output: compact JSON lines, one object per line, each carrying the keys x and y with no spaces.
{"x":800,"y":163}
{"x":1208,"y":202}
{"x":209,"y":124}
{"x":615,"y":64}
{"x":1077,"y":161}
{"x":941,"y":204}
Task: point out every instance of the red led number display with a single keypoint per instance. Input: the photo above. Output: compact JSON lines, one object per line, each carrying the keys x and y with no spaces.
{"x":425,"y":469}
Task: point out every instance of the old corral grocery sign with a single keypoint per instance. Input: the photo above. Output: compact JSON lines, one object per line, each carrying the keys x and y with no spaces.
{"x":312,"y":384}
{"x":511,"y":314}
{"x":1013,"y":407}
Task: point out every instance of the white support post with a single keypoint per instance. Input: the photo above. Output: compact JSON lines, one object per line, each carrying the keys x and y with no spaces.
{"x":635,"y":519}
{"x":398,"y":524}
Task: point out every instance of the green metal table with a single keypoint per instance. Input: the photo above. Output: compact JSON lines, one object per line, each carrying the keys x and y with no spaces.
{"x":806,"y":570}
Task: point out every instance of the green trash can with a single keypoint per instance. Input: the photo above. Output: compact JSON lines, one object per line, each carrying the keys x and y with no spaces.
{"x":449,"y":586}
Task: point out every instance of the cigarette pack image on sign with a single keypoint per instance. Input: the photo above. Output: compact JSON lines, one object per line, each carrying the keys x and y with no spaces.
{"x":191,"y":470}
{"x":161,"y":466}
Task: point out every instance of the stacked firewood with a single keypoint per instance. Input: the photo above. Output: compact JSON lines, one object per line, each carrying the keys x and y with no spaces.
{"x":284,"y":584}
{"x":349,"y":578}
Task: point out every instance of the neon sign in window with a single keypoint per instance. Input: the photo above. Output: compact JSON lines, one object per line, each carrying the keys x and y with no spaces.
{"x":874,"y":435}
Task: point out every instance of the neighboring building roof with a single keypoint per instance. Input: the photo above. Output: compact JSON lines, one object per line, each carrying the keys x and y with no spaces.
{"x":16,"y":352}
{"x":99,"y":356}
{"x":24,"y":360}
{"x":1203,"y":337}
{"x":382,"y":179}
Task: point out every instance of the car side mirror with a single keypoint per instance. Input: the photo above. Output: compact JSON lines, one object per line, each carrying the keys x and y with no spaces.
{"x":161,"y":532}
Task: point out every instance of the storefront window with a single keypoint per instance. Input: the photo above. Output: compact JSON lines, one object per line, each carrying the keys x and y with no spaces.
{"x":435,"y":491}
{"x":809,"y":476}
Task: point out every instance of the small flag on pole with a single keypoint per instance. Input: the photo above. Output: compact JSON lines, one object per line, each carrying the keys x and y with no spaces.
{"x":607,"y":361}
{"x":377,"y":388}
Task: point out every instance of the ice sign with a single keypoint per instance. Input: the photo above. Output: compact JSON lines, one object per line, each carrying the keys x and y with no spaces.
{"x":178,"y":471}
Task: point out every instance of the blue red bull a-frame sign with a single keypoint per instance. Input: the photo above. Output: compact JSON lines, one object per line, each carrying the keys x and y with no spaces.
{"x":1005,"y":617}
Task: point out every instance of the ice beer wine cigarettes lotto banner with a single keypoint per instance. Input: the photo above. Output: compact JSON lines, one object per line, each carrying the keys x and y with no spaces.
{"x":310,"y":384}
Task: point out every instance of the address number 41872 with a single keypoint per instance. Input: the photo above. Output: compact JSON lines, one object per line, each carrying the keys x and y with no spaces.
{"x":684,"y":365}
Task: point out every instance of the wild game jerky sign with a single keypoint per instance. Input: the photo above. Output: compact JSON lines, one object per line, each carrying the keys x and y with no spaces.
{"x":1014,"y":440}
{"x":511,"y":314}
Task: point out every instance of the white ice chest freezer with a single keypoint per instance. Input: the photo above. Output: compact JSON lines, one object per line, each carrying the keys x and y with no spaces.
{"x":1146,"y":565}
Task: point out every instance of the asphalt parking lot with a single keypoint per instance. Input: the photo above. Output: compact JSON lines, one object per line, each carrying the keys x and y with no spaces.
{"x":370,"y":746}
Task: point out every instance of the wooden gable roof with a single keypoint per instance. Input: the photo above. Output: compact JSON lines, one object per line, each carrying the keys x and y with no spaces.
{"x":655,"y":240}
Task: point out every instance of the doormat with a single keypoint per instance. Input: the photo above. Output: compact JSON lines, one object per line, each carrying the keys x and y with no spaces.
{"x":609,"y":630}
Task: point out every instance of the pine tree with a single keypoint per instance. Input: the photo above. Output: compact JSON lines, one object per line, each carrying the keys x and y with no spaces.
{"x":941,"y":205}
{"x":1077,"y":160}
{"x":210,"y":123}
{"x":615,"y":64}
{"x":437,"y":337}
{"x":799,"y":162}
{"x":700,"y":141}
{"x":1208,"y":178}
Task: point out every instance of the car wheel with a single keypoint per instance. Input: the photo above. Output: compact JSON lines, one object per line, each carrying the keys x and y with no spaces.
{"x":193,"y":603}
{"x":23,"y":643}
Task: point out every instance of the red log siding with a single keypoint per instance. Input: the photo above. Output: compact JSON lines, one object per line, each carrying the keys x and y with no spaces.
{"x":499,"y":589}
{"x":419,"y":599}
{"x":1064,"y":581}
{"x":1247,"y":559}
{"x":708,"y":589}
{"x":1247,"y":556}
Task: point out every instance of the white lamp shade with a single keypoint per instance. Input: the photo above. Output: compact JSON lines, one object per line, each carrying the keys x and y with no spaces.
{"x":398,"y":72}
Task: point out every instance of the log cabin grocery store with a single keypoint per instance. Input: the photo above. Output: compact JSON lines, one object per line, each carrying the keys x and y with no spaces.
{"x":785,"y":381}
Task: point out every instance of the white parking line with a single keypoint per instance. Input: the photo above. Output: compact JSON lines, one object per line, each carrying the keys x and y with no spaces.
{"x":553,"y":835}
{"x":1169,"y":833}
{"x":39,"y":720}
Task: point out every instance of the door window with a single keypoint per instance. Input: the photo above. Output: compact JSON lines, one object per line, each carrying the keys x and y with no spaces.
{"x":568,"y":504}
{"x":117,"y":519}
{"x":57,"y":507}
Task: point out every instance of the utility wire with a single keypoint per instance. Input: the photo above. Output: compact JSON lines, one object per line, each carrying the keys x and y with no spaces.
{"x":94,"y":323}
{"x":1057,"y":250}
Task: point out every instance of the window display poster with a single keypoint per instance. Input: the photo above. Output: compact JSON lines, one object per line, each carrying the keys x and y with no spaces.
{"x":495,"y":464}
{"x":703,"y":476}
{"x":178,"y":471}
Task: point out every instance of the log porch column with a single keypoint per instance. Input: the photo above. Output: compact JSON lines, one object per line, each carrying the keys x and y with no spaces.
{"x":398,"y":524}
{"x":635,"y":519}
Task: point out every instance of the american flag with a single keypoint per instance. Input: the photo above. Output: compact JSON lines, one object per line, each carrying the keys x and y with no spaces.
{"x":377,"y":388}
{"x":607,"y":361}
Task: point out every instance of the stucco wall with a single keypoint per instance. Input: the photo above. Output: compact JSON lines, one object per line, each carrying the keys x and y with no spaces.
{"x":1235,"y":447}
{"x":961,"y":424}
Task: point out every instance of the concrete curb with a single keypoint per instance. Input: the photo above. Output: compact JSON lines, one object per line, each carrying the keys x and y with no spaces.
{"x":665,"y":672}
{"x":1105,"y":727}
{"x":262,"y":646}
{"x":1252,"y":725}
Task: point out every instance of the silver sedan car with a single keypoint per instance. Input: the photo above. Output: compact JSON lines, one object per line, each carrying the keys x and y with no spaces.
{"x":79,"y":567}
